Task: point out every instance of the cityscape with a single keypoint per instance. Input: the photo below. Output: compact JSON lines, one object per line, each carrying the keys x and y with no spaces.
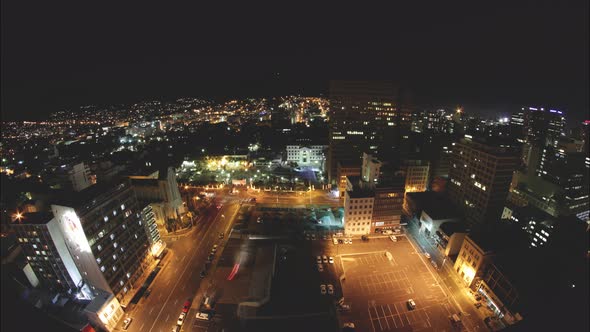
{"x":326,"y":188}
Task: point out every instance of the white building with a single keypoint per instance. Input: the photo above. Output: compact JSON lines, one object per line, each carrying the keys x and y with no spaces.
{"x":358,"y":211}
{"x":307,"y":155}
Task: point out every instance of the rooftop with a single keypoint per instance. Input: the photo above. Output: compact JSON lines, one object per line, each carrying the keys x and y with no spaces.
{"x":36,"y":218}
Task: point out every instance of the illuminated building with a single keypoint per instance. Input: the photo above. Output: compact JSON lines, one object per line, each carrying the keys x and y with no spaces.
{"x":346,"y":170}
{"x":363,"y":117}
{"x":104,"y":310}
{"x":480,"y":177}
{"x":474,"y":256}
{"x":160,"y":190}
{"x":43,"y":242}
{"x":538,"y":125}
{"x":104,"y":233}
{"x":358,"y":210}
{"x":370,"y":169}
{"x":307,"y":156}
{"x":416,"y":172}
{"x":389,"y":201}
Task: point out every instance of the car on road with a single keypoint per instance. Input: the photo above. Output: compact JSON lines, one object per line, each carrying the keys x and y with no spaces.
{"x":214,"y":249}
{"x":176,"y":328}
{"x":180,"y":320}
{"x":331,"y":260}
{"x":203,"y":274}
{"x":330,"y":289}
{"x":325,"y":259}
{"x":259,"y":220}
{"x":411,"y":304}
{"x":320,"y":268}
{"x":202,"y":316}
{"x":427,"y":255}
{"x":126,"y":322}
{"x":221,"y":235}
{"x":313,"y":236}
{"x":318,"y":259}
{"x":325,"y":237}
{"x":323,"y":289}
{"x":186,"y":306}
{"x":365,"y":238}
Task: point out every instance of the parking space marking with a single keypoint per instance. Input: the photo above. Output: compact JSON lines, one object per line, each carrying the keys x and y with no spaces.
{"x":417,"y":319}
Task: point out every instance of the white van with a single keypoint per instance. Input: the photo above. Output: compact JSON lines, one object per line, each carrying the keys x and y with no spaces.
{"x":202,"y":316}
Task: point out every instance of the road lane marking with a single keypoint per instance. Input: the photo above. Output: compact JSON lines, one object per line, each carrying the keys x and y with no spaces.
{"x":152,"y":310}
{"x":177,"y":280}
{"x":167,"y":317}
{"x":141,"y":327}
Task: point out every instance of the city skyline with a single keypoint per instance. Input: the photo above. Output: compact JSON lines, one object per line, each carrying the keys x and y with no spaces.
{"x":488,"y":60}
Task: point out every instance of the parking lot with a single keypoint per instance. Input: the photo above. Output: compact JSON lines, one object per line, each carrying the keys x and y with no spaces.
{"x":378,"y":288}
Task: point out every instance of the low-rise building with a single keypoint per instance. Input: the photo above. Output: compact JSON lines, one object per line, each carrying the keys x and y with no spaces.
{"x":307,"y":155}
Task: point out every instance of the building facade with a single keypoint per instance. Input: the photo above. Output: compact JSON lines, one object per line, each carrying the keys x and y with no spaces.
{"x":307,"y":156}
{"x":480,"y":177}
{"x":105,"y":235}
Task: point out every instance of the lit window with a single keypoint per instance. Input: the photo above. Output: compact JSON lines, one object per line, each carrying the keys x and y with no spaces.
{"x":112,"y":236}
{"x":102,"y":268}
{"x":128,"y":275}
{"x":122,"y":207}
{"x":106,"y":218}
{"x":98,"y":260}
{"x":121,"y":282}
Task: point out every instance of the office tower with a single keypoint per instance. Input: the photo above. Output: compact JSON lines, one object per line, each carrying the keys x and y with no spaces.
{"x":105,"y":235}
{"x":363,"y":117}
{"x":480,"y":177}
{"x":538,"y":125}
{"x":388,"y":203}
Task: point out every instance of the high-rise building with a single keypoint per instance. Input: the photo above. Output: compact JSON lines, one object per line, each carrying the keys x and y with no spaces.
{"x":104,"y":233}
{"x":538,"y":125}
{"x":41,"y":237}
{"x":363,"y":118}
{"x":480,"y":177}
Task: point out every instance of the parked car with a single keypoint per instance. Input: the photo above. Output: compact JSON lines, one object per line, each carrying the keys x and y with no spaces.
{"x":344,"y":307}
{"x":202,"y":316}
{"x":331,"y":260}
{"x":335,"y":241}
{"x":323,"y":289}
{"x":186,"y":306}
{"x":320,"y":268}
{"x":214,"y":249}
{"x":126,"y":322}
{"x":180,"y":320}
{"x":393,"y":238}
{"x":365,"y":238}
{"x":330,"y":289}
{"x":411,"y":304}
{"x":318,"y":259}
{"x":325,"y":259}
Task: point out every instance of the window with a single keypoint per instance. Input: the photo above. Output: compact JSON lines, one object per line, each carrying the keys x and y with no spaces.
{"x":102,"y":268}
{"x":115,"y":244}
{"x":112,"y":236}
{"x":106,"y":218}
{"x":122,"y":207}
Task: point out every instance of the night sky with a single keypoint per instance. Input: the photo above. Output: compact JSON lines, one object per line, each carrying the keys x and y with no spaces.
{"x":488,"y":58}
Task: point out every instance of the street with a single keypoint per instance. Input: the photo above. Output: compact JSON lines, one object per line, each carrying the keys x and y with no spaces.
{"x":179,"y":279}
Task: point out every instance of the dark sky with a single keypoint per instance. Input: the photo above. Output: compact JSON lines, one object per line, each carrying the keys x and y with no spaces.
{"x":486,"y":57}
